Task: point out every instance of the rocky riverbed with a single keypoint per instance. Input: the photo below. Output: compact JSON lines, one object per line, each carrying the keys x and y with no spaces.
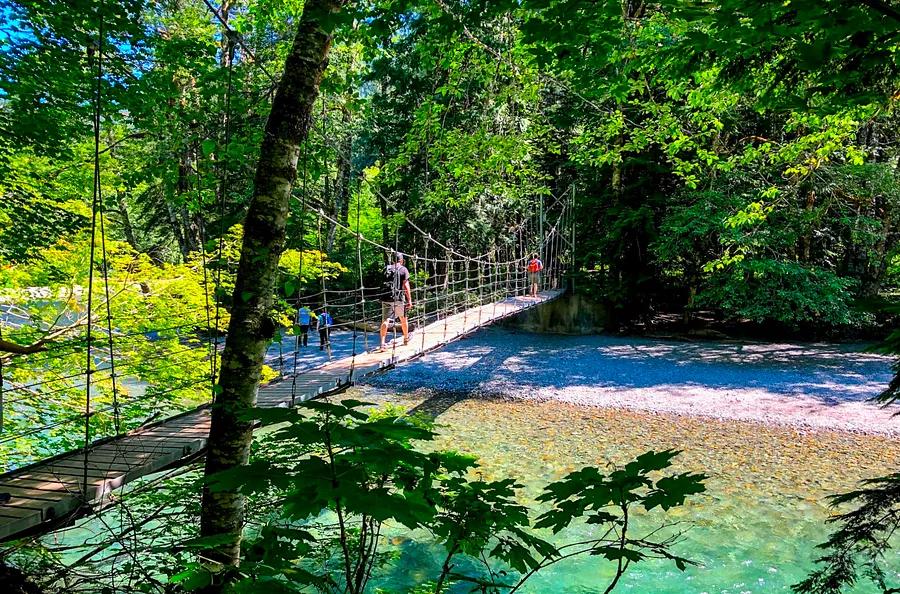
{"x":812,"y":386}
{"x":777,"y":428}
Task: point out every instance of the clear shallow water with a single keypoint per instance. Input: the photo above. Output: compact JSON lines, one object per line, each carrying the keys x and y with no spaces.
{"x":752,"y":532}
{"x":755,"y":529}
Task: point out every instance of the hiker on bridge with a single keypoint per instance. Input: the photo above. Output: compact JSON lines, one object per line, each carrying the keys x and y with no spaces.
{"x":398,"y":298}
{"x":533,"y":268}
{"x":305,"y":316}
{"x":324,"y":321}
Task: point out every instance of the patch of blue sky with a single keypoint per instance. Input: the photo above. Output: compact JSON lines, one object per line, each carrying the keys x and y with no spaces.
{"x":13,"y":30}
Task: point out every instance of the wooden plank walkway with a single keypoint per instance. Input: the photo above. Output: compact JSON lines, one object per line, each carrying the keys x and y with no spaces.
{"x":49,"y":494}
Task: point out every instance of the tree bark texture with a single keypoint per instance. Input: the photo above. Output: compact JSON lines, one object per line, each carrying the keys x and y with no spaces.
{"x":344,"y":166}
{"x":806,"y":236}
{"x":251,"y":327}
{"x":177,"y":231}
{"x":125,"y":221}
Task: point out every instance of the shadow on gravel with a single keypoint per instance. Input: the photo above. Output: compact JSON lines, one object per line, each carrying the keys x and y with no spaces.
{"x":497,"y":361}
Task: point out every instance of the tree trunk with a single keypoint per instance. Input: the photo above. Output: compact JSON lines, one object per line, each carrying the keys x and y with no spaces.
{"x":177,"y":231}
{"x":329,"y":204}
{"x":125,"y":221}
{"x":251,"y":327}
{"x":347,"y":165}
{"x":878,"y":265}
{"x":806,"y":237}
{"x":191,"y":232}
{"x":341,"y":187}
{"x":227,"y":44}
{"x":385,"y":231}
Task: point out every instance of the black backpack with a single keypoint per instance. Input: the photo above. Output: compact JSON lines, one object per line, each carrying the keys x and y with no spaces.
{"x":392,"y":282}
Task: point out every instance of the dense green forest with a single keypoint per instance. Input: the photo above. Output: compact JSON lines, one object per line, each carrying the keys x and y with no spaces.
{"x":692,"y":194}
{"x":186,"y":173}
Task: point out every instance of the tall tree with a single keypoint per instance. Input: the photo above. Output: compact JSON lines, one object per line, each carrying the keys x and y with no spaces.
{"x":251,"y":327}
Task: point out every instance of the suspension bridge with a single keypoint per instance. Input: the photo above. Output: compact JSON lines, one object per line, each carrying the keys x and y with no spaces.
{"x":80,"y":434}
{"x":454,"y":295}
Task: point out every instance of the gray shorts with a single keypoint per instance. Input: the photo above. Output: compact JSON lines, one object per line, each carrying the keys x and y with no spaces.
{"x":534,"y":277}
{"x":394,"y":310}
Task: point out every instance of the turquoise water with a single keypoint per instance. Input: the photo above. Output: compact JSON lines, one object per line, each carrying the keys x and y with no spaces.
{"x":754,"y":531}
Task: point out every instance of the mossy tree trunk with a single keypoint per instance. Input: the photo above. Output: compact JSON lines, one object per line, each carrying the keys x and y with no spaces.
{"x":251,"y":327}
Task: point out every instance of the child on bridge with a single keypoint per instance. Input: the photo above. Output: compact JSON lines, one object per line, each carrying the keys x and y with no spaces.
{"x":323,"y":324}
{"x":305,"y":316}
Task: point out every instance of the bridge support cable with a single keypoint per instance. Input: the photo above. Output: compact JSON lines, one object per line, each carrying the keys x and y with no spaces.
{"x":224,"y":183}
{"x":424,"y":303}
{"x":117,"y":421}
{"x":448,"y":293}
{"x":445,"y":297}
{"x":298,"y":302}
{"x":572,"y":246}
{"x":89,"y":355}
{"x":361,"y":301}
{"x":466,"y":297}
{"x":498,"y":273}
{"x":414,"y":276}
{"x":204,"y":262}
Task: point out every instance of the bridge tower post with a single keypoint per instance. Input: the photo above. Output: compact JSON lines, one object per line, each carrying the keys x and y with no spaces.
{"x":542,"y":253}
{"x":572,"y":245}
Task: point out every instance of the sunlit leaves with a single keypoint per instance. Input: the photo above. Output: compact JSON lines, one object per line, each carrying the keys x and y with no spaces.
{"x":159,"y":316}
{"x":340,"y":472}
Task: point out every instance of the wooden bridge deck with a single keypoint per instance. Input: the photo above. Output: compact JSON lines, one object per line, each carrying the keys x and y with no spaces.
{"x":49,"y":494}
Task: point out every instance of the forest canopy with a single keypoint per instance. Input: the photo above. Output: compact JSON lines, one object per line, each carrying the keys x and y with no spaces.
{"x":718,"y":160}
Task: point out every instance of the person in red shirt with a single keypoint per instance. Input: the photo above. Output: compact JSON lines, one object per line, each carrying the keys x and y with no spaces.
{"x":533,"y":268}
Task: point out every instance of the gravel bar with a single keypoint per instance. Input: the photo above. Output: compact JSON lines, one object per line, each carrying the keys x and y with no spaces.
{"x":814,"y":385}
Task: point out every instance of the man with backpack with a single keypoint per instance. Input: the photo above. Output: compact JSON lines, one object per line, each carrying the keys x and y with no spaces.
{"x":323,"y":323}
{"x":533,"y":268}
{"x":398,"y":298}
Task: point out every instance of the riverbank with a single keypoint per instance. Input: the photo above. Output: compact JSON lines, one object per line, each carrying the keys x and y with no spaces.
{"x":777,"y":428}
{"x":816,"y":386}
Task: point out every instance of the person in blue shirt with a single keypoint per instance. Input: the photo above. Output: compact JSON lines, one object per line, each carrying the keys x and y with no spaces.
{"x":323,"y":324}
{"x":305,"y":316}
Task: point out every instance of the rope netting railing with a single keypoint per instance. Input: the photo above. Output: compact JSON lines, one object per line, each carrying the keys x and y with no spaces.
{"x":441,"y":286}
{"x":126,"y":357}
{"x":110,"y":354}
{"x":43,"y":391}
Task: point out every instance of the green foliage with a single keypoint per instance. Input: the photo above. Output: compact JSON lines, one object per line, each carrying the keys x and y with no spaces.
{"x":737,"y":156}
{"x":857,"y":548}
{"x":459,"y":116}
{"x":786,"y":292}
{"x":40,"y":204}
{"x":159,"y":317}
{"x":342,"y":476}
{"x":807,"y":53}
